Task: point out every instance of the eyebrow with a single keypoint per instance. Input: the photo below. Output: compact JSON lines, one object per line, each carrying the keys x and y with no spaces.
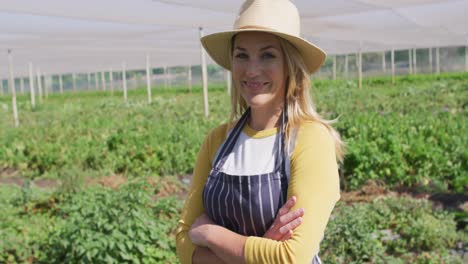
{"x":264,"y":48}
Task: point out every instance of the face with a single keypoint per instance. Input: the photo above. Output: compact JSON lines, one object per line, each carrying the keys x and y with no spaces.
{"x":258,"y":69}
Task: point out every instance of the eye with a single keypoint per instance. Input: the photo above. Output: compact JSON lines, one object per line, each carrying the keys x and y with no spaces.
{"x":241,"y":55}
{"x":268,"y":55}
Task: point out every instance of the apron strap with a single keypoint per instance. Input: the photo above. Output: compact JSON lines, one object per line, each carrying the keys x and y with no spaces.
{"x":231,"y":140}
{"x":228,"y":145}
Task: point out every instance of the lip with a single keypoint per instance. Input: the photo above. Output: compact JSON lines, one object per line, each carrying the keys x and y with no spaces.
{"x":254,"y":85}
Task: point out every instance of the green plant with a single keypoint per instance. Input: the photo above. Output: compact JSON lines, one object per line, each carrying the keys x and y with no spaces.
{"x":113,"y":226}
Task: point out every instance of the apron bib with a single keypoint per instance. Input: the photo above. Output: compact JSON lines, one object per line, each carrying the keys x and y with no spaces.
{"x":247,"y":204}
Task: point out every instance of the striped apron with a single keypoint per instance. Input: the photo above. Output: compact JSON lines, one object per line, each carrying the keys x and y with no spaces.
{"x":246,"y":204}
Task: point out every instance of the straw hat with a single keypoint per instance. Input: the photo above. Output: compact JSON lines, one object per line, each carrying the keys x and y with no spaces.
{"x":278,"y":17}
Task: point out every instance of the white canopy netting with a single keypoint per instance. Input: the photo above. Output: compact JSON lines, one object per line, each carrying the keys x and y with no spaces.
{"x":92,"y":36}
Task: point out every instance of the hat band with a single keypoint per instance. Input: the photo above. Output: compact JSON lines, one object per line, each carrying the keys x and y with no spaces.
{"x":256,"y":27}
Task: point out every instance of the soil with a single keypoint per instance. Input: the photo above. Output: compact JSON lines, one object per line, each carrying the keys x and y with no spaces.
{"x":179,"y":186}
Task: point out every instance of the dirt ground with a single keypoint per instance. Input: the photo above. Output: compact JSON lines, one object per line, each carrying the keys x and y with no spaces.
{"x":167,"y":186}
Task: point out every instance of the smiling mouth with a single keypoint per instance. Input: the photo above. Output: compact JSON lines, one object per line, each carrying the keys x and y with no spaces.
{"x":254,"y":85}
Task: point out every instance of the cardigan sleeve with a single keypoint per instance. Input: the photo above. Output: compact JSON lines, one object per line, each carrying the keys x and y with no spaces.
{"x":193,"y":206}
{"x":314,"y":181}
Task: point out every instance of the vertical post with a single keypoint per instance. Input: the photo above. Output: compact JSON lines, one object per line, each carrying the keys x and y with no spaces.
{"x":31,"y":85}
{"x":204,"y":75}
{"x":148,"y":78}
{"x":39,"y":84}
{"x":96,"y":81}
{"x":334,"y":67}
{"x":1,"y":86}
{"x":410,"y":62}
{"x":437,"y":60}
{"x":346,"y":66}
{"x":124,"y":80}
{"x":22,"y":85}
{"x":170,"y":77}
{"x":430,"y":60}
{"x":228,"y":81}
{"x":103,"y":80}
{"x":360,"y":68}
{"x":74,"y":81}
{"x":61,"y":83}
{"x":46,"y":85}
{"x":111,"y":80}
{"x":384,"y":66}
{"x":189,"y":78}
{"x":415,"y":68}
{"x":12,"y":88}
{"x":88,"y":81}
{"x":393,"y":65}
{"x":466,"y":58}
{"x":135,"y":80}
{"x":165,"y":77}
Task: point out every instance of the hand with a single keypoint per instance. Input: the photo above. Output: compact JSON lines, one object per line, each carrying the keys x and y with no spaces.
{"x":285,"y":222}
{"x":200,"y":229}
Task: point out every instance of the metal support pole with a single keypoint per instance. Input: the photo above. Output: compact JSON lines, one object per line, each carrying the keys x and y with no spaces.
{"x":61,"y":83}
{"x":437,"y":60}
{"x":46,"y":85}
{"x":165,"y":77}
{"x":346,"y":66}
{"x":410,"y":62}
{"x":12,"y":88}
{"x":1,"y":86}
{"x":204,"y":75}
{"x":96,"y":81}
{"x":31,"y":85}
{"x":430,"y":60}
{"x":111,"y":80}
{"x":384,"y":66}
{"x":88,"y":81}
{"x":189,"y":78}
{"x":170,"y":77}
{"x":148,"y":78}
{"x":360,"y":68}
{"x":393,"y":66}
{"x":466,"y":58}
{"x":22,"y":85}
{"x":103,"y":80}
{"x":39,"y":84}
{"x":415,"y":68}
{"x":74,"y":81}
{"x":124,"y":80}
{"x":334,"y":67}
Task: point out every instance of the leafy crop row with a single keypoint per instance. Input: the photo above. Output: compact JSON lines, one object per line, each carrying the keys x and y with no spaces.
{"x":410,"y":134}
{"x":134,"y":224}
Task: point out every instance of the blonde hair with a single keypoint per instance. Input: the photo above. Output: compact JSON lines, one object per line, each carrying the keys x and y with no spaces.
{"x":300,"y":106}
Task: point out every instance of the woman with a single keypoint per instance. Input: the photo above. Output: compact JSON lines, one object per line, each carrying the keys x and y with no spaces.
{"x":279,"y":150}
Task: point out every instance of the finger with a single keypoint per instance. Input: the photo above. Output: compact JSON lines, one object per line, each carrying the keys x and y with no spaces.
{"x":291,"y":225}
{"x":291,"y":216}
{"x":287,"y":206}
{"x":287,"y":236}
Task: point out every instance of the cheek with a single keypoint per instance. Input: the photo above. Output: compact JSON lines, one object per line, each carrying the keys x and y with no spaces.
{"x":236,"y":72}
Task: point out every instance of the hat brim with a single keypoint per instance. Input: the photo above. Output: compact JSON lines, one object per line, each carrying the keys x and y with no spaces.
{"x":216,"y":45}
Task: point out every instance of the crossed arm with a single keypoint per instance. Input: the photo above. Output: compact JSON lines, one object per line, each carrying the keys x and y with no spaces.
{"x":211,"y":238}
{"x":314,"y":181}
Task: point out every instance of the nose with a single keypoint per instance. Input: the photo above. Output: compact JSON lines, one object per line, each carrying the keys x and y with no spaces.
{"x":253,"y":68}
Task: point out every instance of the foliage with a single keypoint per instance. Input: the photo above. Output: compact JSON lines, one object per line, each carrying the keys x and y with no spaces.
{"x":391,"y":230}
{"x":23,"y":224}
{"x":106,"y":226}
{"x":411,"y":134}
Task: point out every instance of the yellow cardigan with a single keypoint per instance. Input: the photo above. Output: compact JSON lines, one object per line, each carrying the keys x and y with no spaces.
{"x":314,"y":181}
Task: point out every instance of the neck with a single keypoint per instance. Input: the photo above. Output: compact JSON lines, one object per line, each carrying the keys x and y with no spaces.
{"x":265,"y":118}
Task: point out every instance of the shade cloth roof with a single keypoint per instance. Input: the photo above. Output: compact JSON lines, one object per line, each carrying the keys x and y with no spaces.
{"x":86,"y":36}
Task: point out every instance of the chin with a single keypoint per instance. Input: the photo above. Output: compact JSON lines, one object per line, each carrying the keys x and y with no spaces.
{"x":257,"y":101}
